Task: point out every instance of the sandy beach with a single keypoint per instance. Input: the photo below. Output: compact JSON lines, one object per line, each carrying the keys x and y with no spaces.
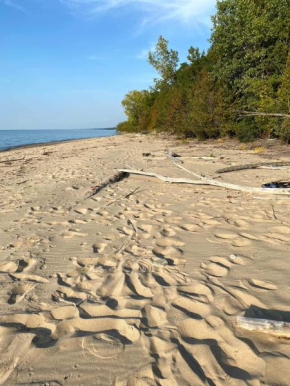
{"x":142,"y":283}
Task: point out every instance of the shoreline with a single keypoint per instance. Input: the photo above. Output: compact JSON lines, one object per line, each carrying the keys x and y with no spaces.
{"x":50,"y":143}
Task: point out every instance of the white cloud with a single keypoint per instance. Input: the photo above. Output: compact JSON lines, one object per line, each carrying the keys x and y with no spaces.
{"x":14,"y":5}
{"x":152,"y":10}
{"x":144,"y":53}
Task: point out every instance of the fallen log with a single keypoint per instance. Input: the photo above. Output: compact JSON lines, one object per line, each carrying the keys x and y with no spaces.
{"x":115,"y":178}
{"x":208,"y":181}
{"x":272,"y":327}
{"x":227,"y":185}
{"x":163,"y":178}
{"x":253,"y":166}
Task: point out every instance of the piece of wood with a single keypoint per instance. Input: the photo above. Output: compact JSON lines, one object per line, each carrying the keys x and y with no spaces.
{"x":173,"y":154}
{"x":207,"y":181}
{"x":115,"y":178}
{"x":11,"y":160}
{"x":163,"y":178}
{"x":253,"y":166}
{"x":227,"y":185}
{"x":272,"y":327}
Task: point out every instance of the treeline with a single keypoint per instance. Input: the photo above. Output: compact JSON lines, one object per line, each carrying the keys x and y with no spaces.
{"x":240,"y":87}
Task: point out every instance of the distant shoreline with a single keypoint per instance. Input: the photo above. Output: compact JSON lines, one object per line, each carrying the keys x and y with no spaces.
{"x":50,"y":143}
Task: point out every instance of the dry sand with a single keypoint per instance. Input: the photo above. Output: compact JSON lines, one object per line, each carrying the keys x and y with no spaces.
{"x":140,"y":289}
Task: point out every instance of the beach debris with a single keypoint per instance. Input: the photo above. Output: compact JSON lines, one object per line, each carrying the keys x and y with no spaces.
{"x":115,"y":178}
{"x":253,"y":166}
{"x":173,"y":154}
{"x":272,"y":327}
{"x":207,"y":181}
{"x":146,"y":154}
{"x":233,"y":256}
{"x":276,"y":185}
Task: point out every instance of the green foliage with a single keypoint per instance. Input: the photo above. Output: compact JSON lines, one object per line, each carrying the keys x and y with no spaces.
{"x":126,"y":127}
{"x":137,"y":106}
{"x":165,"y":61}
{"x":251,"y":41}
{"x":247,"y":68}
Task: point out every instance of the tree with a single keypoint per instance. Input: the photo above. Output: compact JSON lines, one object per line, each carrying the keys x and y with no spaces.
{"x":284,"y":101}
{"x":165,"y":61}
{"x":137,"y":106}
{"x":251,"y":41}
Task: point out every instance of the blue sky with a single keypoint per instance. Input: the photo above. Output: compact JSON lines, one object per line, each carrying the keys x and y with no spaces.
{"x":68,"y":63}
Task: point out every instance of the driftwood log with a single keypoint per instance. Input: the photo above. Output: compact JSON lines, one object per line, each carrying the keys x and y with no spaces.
{"x":207,"y":181}
{"x":253,"y":166}
{"x":221,"y":184}
{"x":115,"y":178}
{"x":163,"y":178}
{"x":272,"y":327}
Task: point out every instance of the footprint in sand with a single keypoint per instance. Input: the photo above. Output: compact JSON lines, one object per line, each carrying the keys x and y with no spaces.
{"x":167,"y":232}
{"x":282,"y":229}
{"x":164,"y":242}
{"x":167,"y":252}
{"x":191,"y":227}
{"x":27,"y":277}
{"x":233,"y":353}
{"x":226,"y":236}
{"x":241,"y":224}
{"x":197,"y":290}
{"x":81,"y":210}
{"x":262,"y":284}
{"x":192,"y":308}
{"x":19,"y":292}
{"x":241,"y":242}
{"x":146,"y":228}
{"x":8,"y":266}
{"x":248,"y":236}
{"x":215,"y":269}
{"x":99,"y":247}
{"x":278,"y":237}
{"x":73,"y":233}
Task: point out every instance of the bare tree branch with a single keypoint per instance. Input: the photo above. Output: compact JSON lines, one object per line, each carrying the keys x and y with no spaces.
{"x":261,"y":114}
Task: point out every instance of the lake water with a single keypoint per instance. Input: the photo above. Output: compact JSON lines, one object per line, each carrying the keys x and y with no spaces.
{"x":14,"y":138}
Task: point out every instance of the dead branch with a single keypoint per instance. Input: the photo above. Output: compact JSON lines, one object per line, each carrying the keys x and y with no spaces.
{"x":253,"y":166}
{"x":116,"y":178}
{"x":11,"y":160}
{"x":132,"y":192}
{"x":128,"y":195}
{"x":261,"y":114}
{"x":163,"y":178}
{"x":221,"y":184}
{"x":208,"y":181}
{"x":272,"y":327}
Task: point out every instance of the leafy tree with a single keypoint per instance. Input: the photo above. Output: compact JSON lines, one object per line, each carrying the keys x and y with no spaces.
{"x":247,"y":68}
{"x":137,"y":106}
{"x":251,"y":41}
{"x":165,"y":61}
{"x":284,"y":101}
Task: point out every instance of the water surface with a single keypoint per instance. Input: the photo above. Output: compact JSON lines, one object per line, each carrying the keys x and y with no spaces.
{"x":15,"y":138}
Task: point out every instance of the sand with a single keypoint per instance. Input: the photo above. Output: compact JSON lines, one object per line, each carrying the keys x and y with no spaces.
{"x":142,"y":288}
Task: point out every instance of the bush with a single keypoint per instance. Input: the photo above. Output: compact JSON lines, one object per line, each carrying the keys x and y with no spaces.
{"x":247,"y":130}
{"x":126,"y":127}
